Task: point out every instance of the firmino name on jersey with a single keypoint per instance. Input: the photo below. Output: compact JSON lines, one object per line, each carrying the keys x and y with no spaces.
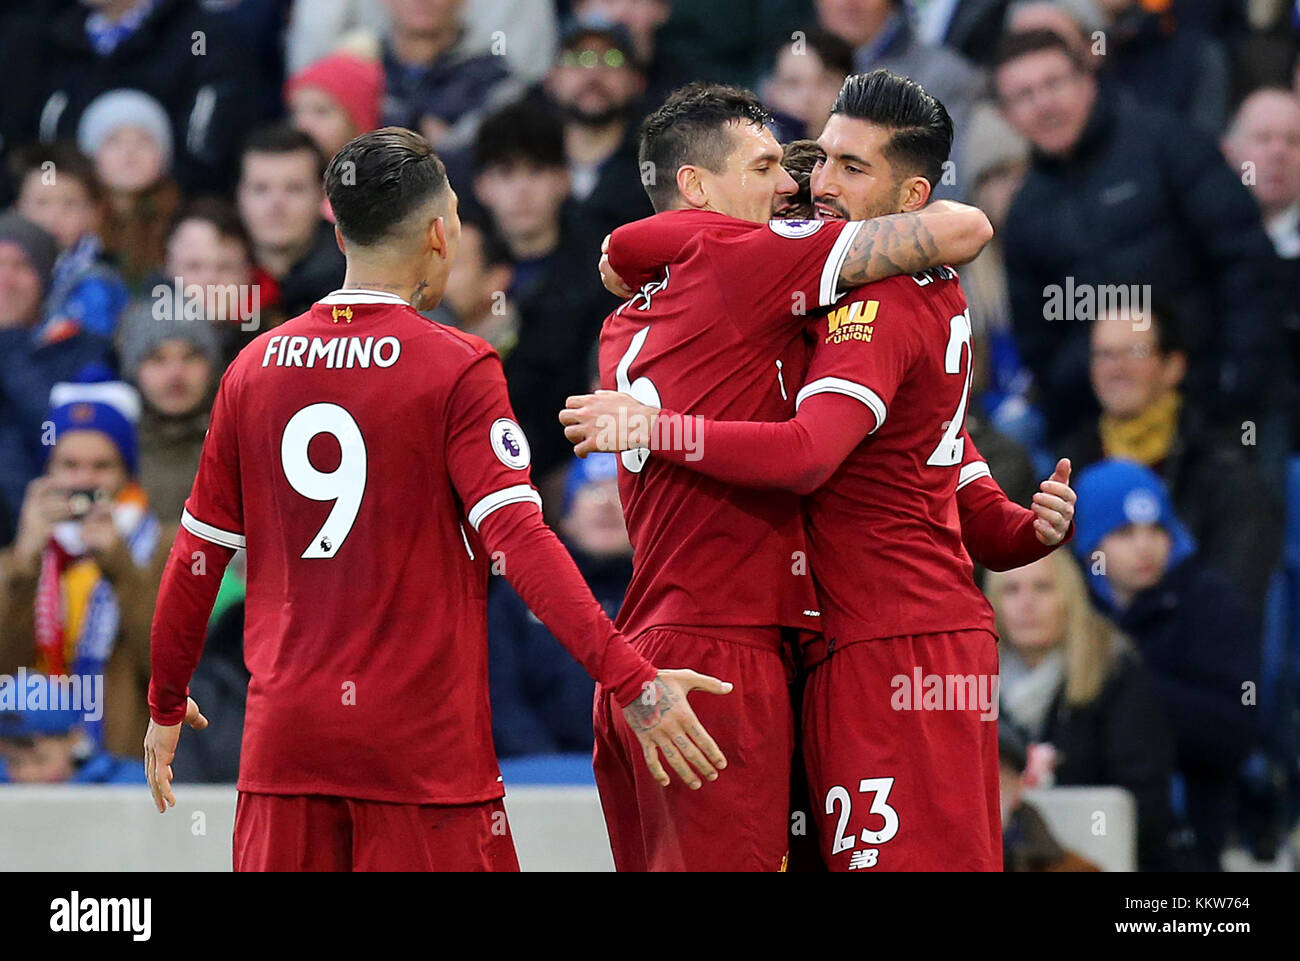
{"x":332,"y":353}
{"x":852,"y":322}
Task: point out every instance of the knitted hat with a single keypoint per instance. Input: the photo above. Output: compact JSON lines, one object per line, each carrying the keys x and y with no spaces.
{"x":36,"y":243}
{"x":1113,"y":494}
{"x":590,"y":470}
{"x":356,"y":83}
{"x":122,"y":108}
{"x":111,"y":408}
{"x":140,"y":333}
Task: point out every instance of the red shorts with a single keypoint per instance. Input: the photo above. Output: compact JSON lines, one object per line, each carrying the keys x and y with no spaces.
{"x":900,"y":737}
{"x":296,"y":832}
{"x":738,"y":822}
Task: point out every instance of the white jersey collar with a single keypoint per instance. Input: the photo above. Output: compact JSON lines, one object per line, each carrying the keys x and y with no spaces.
{"x":360,"y":295}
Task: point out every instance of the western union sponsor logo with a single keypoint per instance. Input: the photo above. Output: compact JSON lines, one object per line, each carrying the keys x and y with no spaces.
{"x":852,"y":322}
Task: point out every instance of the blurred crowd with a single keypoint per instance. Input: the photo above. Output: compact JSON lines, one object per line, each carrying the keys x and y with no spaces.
{"x":160,"y":177}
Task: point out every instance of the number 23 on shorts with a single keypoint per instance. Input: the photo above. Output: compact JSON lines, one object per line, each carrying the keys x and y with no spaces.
{"x":838,"y":799}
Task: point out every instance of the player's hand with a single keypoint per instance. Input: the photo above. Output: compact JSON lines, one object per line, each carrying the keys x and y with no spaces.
{"x":665,"y":724}
{"x":607,"y":421}
{"x":159,"y":750}
{"x":612,"y":281}
{"x":1054,"y":506}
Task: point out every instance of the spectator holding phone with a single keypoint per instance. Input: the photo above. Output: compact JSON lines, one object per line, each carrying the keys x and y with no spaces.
{"x":77,"y":586}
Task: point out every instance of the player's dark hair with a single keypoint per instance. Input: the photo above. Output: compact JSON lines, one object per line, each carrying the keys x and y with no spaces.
{"x":66,"y":161}
{"x":690,"y":128}
{"x":219,"y":214}
{"x":520,"y":133}
{"x":380,"y":179}
{"x":799,"y":157}
{"x":280,"y":138}
{"x":1022,"y":43}
{"x":922,"y":129}
{"x":834,"y":53}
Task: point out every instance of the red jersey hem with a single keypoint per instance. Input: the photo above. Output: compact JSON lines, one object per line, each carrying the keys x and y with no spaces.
{"x":820,"y":649}
{"x":352,"y":793}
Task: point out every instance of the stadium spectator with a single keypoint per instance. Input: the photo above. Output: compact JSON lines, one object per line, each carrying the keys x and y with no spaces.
{"x":50,"y":746}
{"x":175,"y":51}
{"x":210,"y":266}
{"x":881,"y":36}
{"x":335,"y":99}
{"x":969,"y":27}
{"x":476,"y":298}
{"x":58,"y":189}
{"x":804,"y":82}
{"x":523,"y":181}
{"x":1071,"y":680}
{"x":1165,"y":65}
{"x":30,"y":361}
{"x":597,"y":83}
{"x":173,"y":362}
{"x":1263,"y":146}
{"x":1138,"y":371}
{"x":434,"y":81}
{"x":541,"y":697}
{"x":1122,"y":194}
{"x":644,"y":20}
{"x":1197,"y":637}
{"x":128,"y":136}
{"x":79,"y":581}
{"x":1027,"y":842}
{"x":1077,"y":22}
{"x":297,"y":260}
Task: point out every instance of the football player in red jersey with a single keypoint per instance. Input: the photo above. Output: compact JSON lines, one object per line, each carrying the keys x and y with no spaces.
{"x":369,"y":462}
{"x":720,"y":572}
{"x":904,"y":782}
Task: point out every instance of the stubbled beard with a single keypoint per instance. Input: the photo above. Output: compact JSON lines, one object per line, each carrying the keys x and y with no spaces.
{"x":602,"y":118}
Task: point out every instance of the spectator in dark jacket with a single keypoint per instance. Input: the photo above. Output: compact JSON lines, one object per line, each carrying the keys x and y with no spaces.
{"x":1070,"y":680}
{"x":597,"y":83}
{"x":174,"y":50}
{"x":435,"y":82}
{"x":523,"y":181}
{"x":1196,"y":635}
{"x":31,"y":361}
{"x":1120,"y":194}
{"x":541,"y":697}
{"x":281,"y":199}
{"x":1137,"y":370}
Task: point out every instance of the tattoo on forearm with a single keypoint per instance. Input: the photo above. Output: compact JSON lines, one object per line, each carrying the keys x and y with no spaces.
{"x":888,"y":246}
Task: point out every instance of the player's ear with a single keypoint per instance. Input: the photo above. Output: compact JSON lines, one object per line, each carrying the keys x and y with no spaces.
{"x":438,"y":237}
{"x":691,"y":186}
{"x":913,"y":194}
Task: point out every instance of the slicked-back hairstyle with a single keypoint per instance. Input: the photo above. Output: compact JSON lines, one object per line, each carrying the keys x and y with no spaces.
{"x":1022,"y":43}
{"x":922,"y":129}
{"x":280,"y":138}
{"x":379,"y":180}
{"x":691,"y":128}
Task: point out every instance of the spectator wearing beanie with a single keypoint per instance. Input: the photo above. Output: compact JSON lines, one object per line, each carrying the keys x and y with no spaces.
{"x":79,"y":582}
{"x":129,"y":137}
{"x":174,"y":365}
{"x":1196,"y":634}
{"x":335,"y":99}
{"x":30,"y":361}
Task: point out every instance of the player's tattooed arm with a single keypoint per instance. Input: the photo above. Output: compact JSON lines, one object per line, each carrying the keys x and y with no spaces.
{"x":943,"y":233}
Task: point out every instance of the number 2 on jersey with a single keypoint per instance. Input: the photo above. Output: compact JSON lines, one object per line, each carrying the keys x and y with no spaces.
{"x":951,"y":445}
{"x":345,"y":485}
